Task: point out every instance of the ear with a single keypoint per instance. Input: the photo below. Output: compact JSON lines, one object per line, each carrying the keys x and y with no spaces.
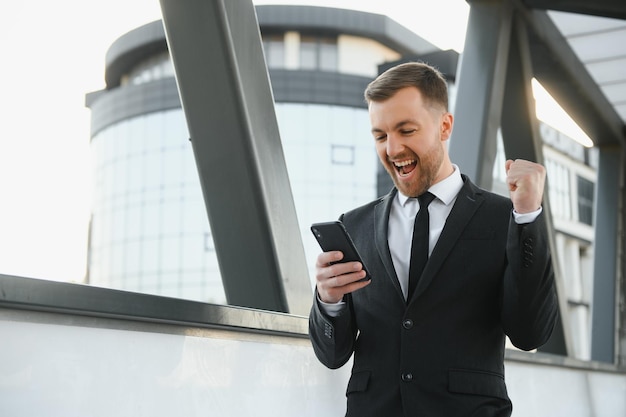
{"x":447,"y":121}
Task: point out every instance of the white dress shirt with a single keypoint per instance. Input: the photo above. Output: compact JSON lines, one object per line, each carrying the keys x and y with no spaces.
{"x":401,"y":221}
{"x":402,"y":218}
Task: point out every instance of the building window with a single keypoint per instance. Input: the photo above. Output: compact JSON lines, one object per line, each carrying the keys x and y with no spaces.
{"x":585,"y":200}
{"x":318,"y":53}
{"x":152,"y":69}
{"x":559,"y":190}
{"x":274,"y":49}
{"x":342,"y":155}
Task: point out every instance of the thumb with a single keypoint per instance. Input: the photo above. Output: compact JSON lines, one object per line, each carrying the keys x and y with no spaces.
{"x":507,"y":165}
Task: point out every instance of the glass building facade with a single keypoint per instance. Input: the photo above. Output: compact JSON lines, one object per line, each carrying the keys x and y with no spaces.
{"x":149,"y":230}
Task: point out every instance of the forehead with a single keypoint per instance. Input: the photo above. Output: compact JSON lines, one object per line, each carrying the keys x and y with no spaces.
{"x":406,"y":103}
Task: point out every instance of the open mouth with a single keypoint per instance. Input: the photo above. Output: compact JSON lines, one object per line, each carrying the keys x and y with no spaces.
{"x":405,"y":167}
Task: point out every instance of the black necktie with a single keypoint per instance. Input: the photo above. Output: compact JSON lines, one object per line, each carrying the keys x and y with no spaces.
{"x":419,"y":246}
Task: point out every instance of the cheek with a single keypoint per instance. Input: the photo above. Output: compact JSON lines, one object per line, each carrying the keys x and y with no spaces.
{"x":428,"y":145}
{"x":381,"y":151}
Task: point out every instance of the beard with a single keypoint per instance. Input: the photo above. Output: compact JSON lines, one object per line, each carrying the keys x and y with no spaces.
{"x":427,"y":170}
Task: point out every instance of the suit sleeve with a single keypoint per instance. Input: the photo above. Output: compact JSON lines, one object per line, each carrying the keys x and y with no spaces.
{"x":332,"y":338}
{"x":529,"y":302}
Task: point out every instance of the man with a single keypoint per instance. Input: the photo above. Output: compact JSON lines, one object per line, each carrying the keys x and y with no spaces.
{"x":438,"y":351}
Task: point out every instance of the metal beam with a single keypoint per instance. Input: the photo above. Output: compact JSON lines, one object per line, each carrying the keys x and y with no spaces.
{"x":480,"y":82}
{"x":607,"y":227}
{"x":74,"y":301}
{"x":607,"y":8}
{"x":227,"y":100}
{"x":559,"y":70}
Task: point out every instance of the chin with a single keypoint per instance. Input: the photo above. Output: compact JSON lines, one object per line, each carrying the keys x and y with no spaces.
{"x":412,"y":189}
{"x":406,"y":189}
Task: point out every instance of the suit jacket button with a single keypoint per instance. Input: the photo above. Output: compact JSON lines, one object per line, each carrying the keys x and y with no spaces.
{"x":407,"y":323}
{"x":407,"y":377}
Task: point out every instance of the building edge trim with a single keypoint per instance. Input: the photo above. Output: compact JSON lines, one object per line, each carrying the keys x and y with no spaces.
{"x":109,"y":107}
{"x":80,"y":300}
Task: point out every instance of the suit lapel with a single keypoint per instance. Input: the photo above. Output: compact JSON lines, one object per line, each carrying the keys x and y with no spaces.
{"x":381,"y":220}
{"x":466,"y":204}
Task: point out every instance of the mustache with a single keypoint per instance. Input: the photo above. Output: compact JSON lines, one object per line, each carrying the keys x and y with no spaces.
{"x":403,"y":157}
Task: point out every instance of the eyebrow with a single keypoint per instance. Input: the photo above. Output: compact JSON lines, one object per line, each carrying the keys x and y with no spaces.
{"x":397,"y":125}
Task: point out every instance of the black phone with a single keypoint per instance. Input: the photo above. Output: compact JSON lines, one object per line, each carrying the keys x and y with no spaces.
{"x":333,"y":236}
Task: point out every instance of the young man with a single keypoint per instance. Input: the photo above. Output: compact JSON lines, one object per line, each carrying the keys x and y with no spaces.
{"x":431,"y":343}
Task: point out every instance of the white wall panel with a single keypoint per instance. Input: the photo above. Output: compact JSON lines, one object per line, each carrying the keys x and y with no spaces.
{"x":57,"y":370}
{"x":71,"y":366}
{"x":361,"y":56}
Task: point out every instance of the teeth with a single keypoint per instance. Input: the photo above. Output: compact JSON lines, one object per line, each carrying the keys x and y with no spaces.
{"x":404,"y":163}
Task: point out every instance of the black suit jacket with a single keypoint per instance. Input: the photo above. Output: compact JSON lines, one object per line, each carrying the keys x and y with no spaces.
{"x":442,"y":353}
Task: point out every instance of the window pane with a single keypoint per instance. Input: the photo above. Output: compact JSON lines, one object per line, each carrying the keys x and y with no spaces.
{"x":559,"y":189}
{"x":328,"y":55}
{"x":274,"y":49}
{"x":308,"y":53}
{"x":585,"y":200}
{"x":342,"y":155}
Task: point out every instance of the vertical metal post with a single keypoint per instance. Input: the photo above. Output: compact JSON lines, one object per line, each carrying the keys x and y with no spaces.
{"x":480,"y":88}
{"x":620,"y":297}
{"x":608,"y":228}
{"x":227,"y":100}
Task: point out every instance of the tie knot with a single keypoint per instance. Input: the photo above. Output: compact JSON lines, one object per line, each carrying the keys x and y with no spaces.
{"x":425,"y":199}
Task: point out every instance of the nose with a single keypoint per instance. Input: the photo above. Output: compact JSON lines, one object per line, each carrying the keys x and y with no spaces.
{"x":394,"y":145}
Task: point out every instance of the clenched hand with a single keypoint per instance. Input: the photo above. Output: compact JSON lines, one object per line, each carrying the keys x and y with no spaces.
{"x":526,"y":182}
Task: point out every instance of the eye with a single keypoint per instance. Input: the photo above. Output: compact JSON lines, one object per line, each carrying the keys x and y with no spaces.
{"x":380,"y":137}
{"x":408,"y":131}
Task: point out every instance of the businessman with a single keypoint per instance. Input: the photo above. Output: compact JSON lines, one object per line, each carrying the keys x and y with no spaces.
{"x":454,"y":269}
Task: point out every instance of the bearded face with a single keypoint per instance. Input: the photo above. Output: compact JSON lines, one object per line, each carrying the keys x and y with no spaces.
{"x":410,"y":140}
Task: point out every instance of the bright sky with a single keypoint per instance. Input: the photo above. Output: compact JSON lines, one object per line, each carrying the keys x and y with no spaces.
{"x":53,"y":54}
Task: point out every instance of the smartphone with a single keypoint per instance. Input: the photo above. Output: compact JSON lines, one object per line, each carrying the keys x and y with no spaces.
{"x":333,"y":236}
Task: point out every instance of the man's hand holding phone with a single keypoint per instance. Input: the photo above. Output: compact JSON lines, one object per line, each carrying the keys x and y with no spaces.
{"x":339,"y":269}
{"x":335,"y":278}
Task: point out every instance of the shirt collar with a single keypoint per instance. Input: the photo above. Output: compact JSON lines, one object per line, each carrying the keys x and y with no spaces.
{"x":445,"y":190}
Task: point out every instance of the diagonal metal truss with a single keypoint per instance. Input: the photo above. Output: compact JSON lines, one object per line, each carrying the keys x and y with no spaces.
{"x":227,"y":100}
